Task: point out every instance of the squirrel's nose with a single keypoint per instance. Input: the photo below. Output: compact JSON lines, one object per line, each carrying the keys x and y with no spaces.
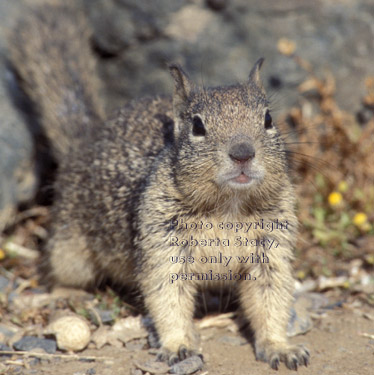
{"x":242,"y":152}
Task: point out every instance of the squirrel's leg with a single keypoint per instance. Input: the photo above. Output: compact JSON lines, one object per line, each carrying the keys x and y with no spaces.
{"x":171,"y":305}
{"x":67,"y":261}
{"x":266,"y":302}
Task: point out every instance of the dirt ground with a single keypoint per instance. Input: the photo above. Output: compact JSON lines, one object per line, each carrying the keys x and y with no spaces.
{"x":335,"y":345}
{"x":340,"y":342}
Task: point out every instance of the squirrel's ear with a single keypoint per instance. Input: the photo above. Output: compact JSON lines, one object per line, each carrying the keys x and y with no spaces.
{"x":254,"y":75}
{"x":182,"y":87}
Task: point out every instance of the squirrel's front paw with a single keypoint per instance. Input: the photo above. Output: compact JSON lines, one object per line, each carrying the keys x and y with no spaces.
{"x":166,"y":355}
{"x":292,"y":355}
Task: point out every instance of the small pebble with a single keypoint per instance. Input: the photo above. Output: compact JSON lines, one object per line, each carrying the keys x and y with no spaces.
{"x":72,"y":332}
{"x":6,"y":348}
{"x":28,"y":343}
{"x":153,"y":367}
{"x":106,"y":316}
{"x":233,"y":340}
{"x":34,"y":361}
{"x":188,"y":366}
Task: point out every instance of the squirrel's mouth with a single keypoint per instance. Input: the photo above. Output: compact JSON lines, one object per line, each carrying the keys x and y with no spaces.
{"x":242,"y":179}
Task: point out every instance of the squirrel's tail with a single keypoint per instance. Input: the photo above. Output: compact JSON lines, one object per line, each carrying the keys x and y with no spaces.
{"x":50,"y":51}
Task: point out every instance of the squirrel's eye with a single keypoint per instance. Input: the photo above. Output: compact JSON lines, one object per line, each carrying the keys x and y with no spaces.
{"x":198,"y":128}
{"x":268,"y":120}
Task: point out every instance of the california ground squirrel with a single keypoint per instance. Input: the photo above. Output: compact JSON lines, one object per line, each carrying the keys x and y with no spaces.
{"x":169,"y":195}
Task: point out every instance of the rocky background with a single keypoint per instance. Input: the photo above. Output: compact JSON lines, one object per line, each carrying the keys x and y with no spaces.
{"x":217,"y":41}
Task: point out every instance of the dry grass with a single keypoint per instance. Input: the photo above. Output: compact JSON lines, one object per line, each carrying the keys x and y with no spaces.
{"x":332,"y":155}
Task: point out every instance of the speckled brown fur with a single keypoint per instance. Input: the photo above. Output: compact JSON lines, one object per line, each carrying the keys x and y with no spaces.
{"x":121,"y":183}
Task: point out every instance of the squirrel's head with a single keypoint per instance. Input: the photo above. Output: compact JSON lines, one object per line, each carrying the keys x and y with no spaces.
{"x":226,"y":141}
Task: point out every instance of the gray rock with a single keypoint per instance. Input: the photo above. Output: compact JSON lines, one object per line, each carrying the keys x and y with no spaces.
{"x":4,"y":282}
{"x":17,"y":169}
{"x":188,"y":366}
{"x":153,"y":367}
{"x":233,"y":340}
{"x":106,"y":316}
{"x":5,"y":348}
{"x":28,"y":343}
{"x":299,"y":323}
{"x":220,"y":46}
{"x":300,"y":320}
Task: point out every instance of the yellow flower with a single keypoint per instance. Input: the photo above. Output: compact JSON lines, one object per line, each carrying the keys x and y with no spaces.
{"x":343,"y":186}
{"x":335,"y":198}
{"x":2,"y":254}
{"x":360,"y":219}
{"x":370,"y":259}
{"x":300,"y":275}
